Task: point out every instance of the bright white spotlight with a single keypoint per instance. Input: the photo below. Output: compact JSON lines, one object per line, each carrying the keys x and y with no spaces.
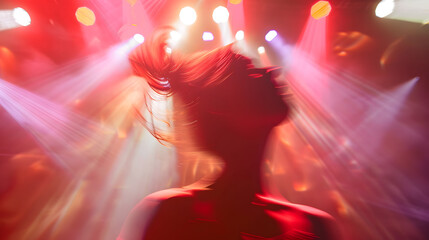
{"x":138,"y":38}
{"x":208,"y":36}
{"x":239,"y":35}
{"x":220,"y":14}
{"x":188,"y":15}
{"x":175,"y":36}
{"x":261,"y":50}
{"x":21,"y":16}
{"x":271,"y":35}
{"x":384,"y":8}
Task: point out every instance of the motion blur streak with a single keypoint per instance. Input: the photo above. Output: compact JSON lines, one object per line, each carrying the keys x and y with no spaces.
{"x":226,"y":33}
{"x":355,"y":131}
{"x":103,"y":165}
{"x":77,"y":79}
{"x":313,"y":39}
{"x":58,"y":130}
{"x":265,"y":60}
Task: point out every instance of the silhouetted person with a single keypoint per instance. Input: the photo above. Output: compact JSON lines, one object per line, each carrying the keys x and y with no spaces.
{"x":229,"y":108}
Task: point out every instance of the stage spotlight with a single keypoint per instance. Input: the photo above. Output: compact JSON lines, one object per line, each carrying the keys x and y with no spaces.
{"x":220,"y":14}
{"x":138,"y":38}
{"x":208,"y":36}
{"x":85,"y":16}
{"x":175,"y":36}
{"x":239,"y":35}
{"x":21,"y":16}
{"x":188,"y":15}
{"x":384,"y":8}
{"x":320,"y":9}
{"x":261,"y":50}
{"x":271,"y":35}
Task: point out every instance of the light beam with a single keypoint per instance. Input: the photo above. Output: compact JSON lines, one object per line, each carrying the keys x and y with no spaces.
{"x":14,"y":18}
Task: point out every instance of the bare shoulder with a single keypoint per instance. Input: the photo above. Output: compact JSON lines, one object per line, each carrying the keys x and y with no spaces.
{"x":321,"y":223}
{"x":164,"y":203}
{"x":156,"y":206}
{"x":168,"y":194}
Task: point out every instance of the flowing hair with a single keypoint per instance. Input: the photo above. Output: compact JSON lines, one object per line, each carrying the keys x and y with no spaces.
{"x":184,"y":76}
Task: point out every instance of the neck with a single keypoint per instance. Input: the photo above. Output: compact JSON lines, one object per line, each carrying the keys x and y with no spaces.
{"x":243,"y":157}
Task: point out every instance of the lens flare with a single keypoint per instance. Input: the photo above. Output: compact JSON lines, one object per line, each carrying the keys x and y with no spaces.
{"x":188,"y":16}
{"x":220,"y":14}
{"x":261,"y":50}
{"x":21,"y":16}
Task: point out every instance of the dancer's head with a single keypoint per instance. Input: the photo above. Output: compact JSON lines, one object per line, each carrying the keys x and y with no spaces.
{"x":218,"y":95}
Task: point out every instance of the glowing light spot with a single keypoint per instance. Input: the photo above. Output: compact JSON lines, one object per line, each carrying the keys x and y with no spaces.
{"x":85,"y":16}
{"x":208,"y":36}
{"x":300,"y":186}
{"x":138,"y":38}
{"x":175,"y":36}
{"x":235,"y":1}
{"x":21,"y":17}
{"x":340,"y":203}
{"x":239,"y":35}
{"x":384,"y":8}
{"x":261,"y":50}
{"x":320,"y":9}
{"x":132,"y":2}
{"x":342,"y":54}
{"x":271,"y":35}
{"x":188,"y":15}
{"x":220,"y":14}
{"x":168,"y":50}
{"x":122,"y":133}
